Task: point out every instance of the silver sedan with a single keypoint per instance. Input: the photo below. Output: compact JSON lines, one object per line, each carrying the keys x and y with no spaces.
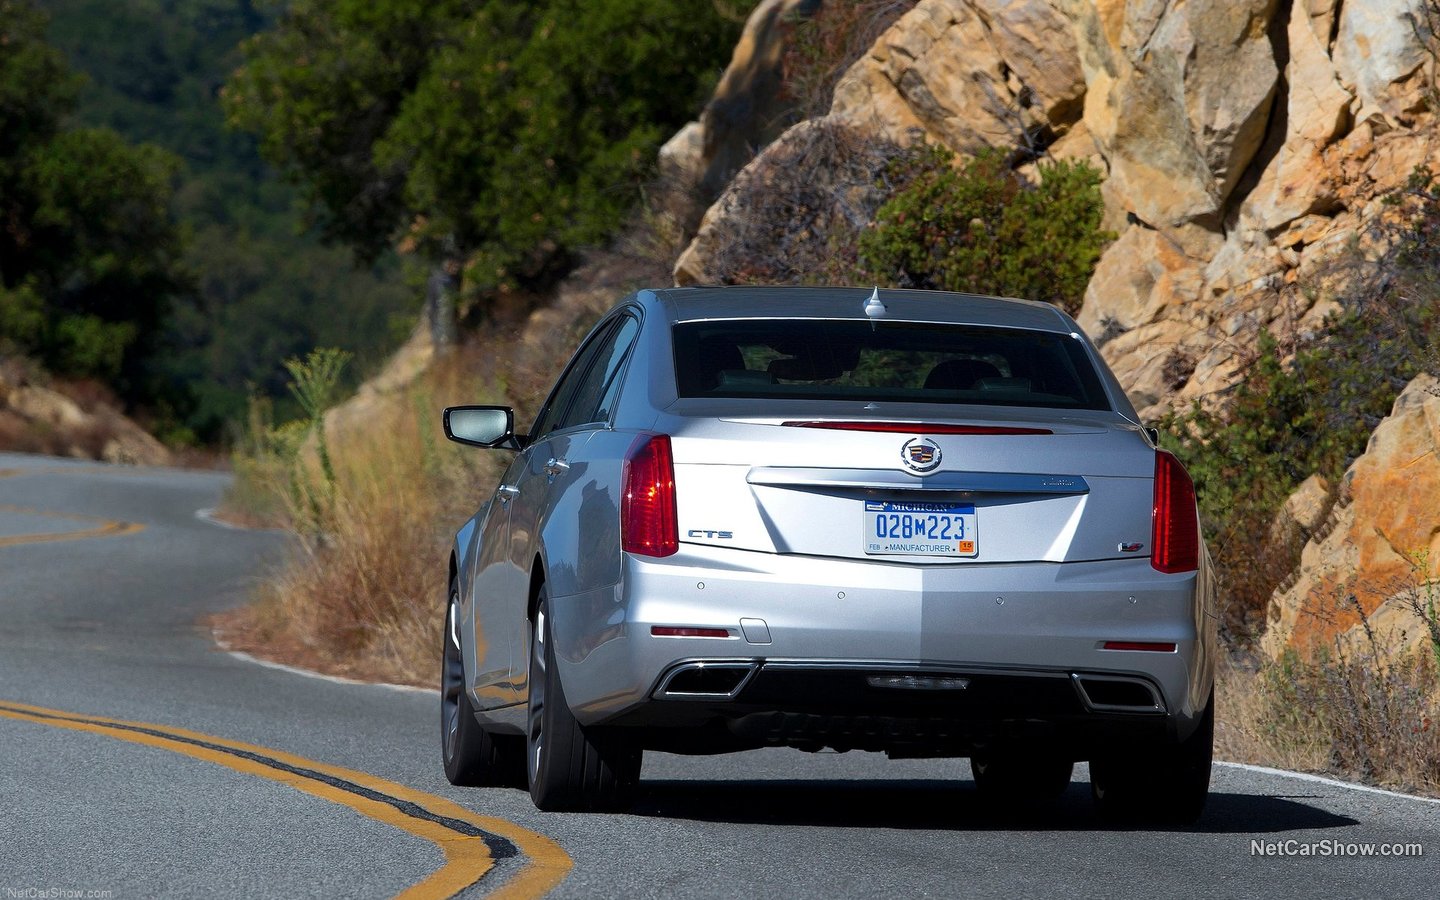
{"x":924,"y":524}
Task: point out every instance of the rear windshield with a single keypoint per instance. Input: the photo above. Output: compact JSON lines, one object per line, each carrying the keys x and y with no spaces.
{"x":908,"y":362}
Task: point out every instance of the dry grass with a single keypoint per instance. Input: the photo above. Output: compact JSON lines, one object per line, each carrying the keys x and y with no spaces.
{"x":363,"y":592}
{"x":1360,"y":709}
{"x":825,"y":46}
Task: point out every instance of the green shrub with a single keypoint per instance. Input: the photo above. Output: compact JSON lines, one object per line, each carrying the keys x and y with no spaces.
{"x":983,"y":228}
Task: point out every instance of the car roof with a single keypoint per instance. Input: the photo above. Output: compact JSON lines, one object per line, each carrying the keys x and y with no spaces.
{"x":743,"y":302}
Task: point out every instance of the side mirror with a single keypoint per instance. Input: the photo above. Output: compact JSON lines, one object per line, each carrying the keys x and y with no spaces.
{"x":481,"y":426}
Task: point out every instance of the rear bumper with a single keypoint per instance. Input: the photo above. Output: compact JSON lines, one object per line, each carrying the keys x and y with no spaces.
{"x":1024,"y":637}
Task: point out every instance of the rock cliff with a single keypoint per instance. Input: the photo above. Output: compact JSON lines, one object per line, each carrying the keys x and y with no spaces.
{"x":1244,"y":145}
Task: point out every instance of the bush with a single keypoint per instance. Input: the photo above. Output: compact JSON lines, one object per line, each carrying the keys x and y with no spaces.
{"x":983,"y":228}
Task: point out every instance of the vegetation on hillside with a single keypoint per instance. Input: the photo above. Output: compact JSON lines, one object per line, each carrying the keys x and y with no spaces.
{"x":826,"y":43}
{"x":89,"y":257}
{"x":259,"y":289}
{"x":1362,"y":709}
{"x":372,"y":513}
{"x":500,"y":137}
{"x":832,"y":206}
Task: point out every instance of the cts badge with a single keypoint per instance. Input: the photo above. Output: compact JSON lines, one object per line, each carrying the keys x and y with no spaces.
{"x":920,"y":455}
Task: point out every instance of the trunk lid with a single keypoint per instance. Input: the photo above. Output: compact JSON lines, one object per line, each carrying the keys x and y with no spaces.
{"x":1029,"y":485}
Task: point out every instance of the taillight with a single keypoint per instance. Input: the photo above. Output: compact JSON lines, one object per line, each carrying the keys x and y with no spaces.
{"x":647,"y":505}
{"x":1175,"y":530}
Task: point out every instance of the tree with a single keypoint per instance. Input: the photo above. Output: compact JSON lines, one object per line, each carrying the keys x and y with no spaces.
{"x":88,"y":252}
{"x":498,"y":135}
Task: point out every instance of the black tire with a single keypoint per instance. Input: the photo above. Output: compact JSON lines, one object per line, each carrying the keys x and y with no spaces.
{"x":473,"y":757}
{"x":570,"y":767}
{"x":1020,"y":778}
{"x":1167,"y":787}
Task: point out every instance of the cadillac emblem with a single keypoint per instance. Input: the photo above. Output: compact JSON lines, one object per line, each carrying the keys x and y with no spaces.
{"x":920,"y":455}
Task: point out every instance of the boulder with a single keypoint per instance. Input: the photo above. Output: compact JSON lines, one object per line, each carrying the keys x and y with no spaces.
{"x":748,"y":109}
{"x":969,"y":75}
{"x":46,"y":421}
{"x":1381,"y":545}
{"x":1178,"y":97}
{"x":1381,"y":56}
{"x":1297,"y":182}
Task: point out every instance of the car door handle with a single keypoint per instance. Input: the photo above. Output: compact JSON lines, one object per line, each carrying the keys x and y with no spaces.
{"x":555,"y":466}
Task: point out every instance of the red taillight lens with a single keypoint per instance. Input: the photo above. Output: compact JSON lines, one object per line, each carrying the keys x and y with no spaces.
{"x":1175,"y":529}
{"x":919,"y":428}
{"x":647,"y":506}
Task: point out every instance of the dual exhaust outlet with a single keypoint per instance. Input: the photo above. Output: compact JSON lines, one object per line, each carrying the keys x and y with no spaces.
{"x":722,"y":680}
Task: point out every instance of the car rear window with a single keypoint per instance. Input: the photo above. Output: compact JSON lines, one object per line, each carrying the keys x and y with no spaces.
{"x":910,"y":362}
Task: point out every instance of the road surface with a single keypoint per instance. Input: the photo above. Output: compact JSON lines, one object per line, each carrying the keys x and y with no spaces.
{"x":138,"y":759}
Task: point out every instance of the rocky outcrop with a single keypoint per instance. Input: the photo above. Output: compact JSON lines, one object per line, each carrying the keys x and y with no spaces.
{"x":35,"y":418}
{"x":992,"y":73}
{"x":748,"y":109}
{"x":1379,"y":551}
{"x":1245,"y":143}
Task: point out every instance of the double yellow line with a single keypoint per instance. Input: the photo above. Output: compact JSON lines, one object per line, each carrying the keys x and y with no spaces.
{"x":472,"y":844}
{"x":103,"y":528}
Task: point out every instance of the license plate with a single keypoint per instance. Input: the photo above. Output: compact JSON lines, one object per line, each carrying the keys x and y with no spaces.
{"x":921,"y":529}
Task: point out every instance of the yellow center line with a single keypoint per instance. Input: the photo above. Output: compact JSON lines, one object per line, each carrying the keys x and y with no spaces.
{"x":466,"y":839}
{"x":105,"y":528}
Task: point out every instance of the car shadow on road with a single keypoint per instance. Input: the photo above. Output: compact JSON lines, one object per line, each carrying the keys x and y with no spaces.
{"x":943,"y":805}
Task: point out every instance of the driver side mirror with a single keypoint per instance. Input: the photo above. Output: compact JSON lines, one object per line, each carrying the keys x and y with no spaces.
{"x":481,"y":426}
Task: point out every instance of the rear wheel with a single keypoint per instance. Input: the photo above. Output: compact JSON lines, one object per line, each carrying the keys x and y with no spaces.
{"x":1167,"y":787}
{"x":570,"y":766}
{"x":1020,"y":777}
{"x":472,"y":756}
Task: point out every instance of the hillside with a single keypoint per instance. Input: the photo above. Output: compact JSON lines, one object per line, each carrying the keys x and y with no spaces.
{"x":260,"y":287}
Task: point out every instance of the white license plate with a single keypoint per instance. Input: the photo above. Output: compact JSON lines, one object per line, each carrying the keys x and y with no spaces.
{"x":921,"y":529}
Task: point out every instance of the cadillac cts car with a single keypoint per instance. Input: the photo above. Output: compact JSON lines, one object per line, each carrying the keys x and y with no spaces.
{"x":924,"y":524}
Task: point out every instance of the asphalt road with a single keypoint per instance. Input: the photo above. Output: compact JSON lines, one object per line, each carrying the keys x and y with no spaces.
{"x":139,"y":759}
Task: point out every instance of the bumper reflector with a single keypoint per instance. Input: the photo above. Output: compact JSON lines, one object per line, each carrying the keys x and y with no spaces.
{"x":667,"y":631}
{"x":919,"y":682}
{"x":1148,"y":646}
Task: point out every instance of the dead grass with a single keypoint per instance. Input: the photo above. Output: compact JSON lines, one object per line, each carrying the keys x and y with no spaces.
{"x":825,"y":45}
{"x":363,"y":592}
{"x":1366,"y":708}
